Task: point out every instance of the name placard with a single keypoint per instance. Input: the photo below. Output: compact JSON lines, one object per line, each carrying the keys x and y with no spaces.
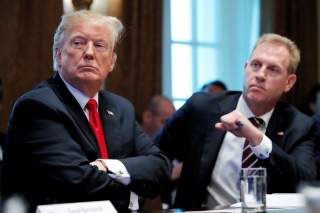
{"x":81,"y":207}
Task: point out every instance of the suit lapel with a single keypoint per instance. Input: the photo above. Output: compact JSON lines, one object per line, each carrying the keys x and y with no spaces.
{"x":278,"y":126}
{"x":110,"y":119}
{"x":74,"y":110}
{"x":214,"y":137}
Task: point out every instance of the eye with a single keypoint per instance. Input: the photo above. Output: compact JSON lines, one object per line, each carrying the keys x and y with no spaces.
{"x":274,"y":70}
{"x":100,"y":46}
{"x":78,"y":43}
{"x":255,"y":65}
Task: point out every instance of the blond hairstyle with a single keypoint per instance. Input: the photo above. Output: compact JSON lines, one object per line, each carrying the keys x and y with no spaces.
{"x":74,"y":18}
{"x":292,"y":48}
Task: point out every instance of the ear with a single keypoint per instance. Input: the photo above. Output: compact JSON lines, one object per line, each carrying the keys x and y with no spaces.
{"x":290,"y":82}
{"x":146,"y":117}
{"x":113,"y":61}
{"x":245,"y":65}
{"x":58,"y":56}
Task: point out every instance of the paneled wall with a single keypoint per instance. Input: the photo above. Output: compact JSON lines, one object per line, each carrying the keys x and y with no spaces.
{"x":26,"y":33}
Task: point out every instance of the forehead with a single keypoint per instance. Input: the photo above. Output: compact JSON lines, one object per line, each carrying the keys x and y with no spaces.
{"x":92,"y":30}
{"x":165,"y":107}
{"x":273,"y":53}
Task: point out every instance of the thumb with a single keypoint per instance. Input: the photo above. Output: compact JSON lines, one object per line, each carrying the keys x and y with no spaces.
{"x":219,"y":125}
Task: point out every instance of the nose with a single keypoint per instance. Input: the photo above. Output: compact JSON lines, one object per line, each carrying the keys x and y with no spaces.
{"x":261,"y":74}
{"x":89,"y":50}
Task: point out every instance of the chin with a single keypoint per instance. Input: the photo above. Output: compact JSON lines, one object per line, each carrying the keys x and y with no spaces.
{"x":255,"y":97}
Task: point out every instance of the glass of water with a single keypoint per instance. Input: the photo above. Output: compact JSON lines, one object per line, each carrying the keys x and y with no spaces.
{"x":253,"y":189}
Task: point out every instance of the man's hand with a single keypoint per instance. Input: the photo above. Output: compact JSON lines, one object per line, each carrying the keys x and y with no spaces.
{"x":236,"y":123}
{"x":100,"y":165}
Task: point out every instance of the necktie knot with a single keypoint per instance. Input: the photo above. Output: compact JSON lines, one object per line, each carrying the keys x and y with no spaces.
{"x":91,"y":105}
{"x":257,"y":122}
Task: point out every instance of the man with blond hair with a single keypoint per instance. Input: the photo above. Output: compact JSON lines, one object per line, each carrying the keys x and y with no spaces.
{"x":215,"y":135}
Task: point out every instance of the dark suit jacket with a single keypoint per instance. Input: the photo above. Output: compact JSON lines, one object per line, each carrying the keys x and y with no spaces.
{"x":190,"y":136}
{"x":50,"y":145}
{"x":316,"y":117}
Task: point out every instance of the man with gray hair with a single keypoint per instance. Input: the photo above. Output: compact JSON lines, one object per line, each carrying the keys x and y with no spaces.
{"x":68,"y":141}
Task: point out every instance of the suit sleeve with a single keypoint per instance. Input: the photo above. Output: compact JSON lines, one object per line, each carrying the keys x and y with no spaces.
{"x":292,"y":158}
{"x":174,"y":137}
{"x":148,"y":167}
{"x":44,"y":149}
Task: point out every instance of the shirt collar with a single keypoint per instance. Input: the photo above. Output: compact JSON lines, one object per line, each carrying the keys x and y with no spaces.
{"x":243,"y":107}
{"x":78,"y":95}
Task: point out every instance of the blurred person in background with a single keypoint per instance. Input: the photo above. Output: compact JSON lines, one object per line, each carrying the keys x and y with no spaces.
{"x":158,"y":110}
{"x":214,"y":86}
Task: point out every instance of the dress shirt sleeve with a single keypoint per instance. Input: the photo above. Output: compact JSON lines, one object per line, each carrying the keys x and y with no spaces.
{"x":117,"y":170}
{"x":264,"y":149}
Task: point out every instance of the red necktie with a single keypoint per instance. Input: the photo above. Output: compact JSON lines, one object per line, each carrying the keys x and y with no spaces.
{"x":249,"y":159}
{"x":96,"y":127}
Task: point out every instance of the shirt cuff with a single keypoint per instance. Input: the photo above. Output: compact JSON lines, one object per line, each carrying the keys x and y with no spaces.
{"x":264,"y":149}
{"x":117,"y":170}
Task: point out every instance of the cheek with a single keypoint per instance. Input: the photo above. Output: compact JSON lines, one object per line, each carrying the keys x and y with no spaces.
{"x":276,"y":87}
{"x":69,"y":58}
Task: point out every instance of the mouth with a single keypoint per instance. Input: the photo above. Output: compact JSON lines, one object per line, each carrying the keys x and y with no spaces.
{"x":87,"y":67}
{"x":256,"y":87}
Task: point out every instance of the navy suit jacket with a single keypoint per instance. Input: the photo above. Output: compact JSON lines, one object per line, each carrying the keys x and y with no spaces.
{"x":190,"y":136}
{"x":50,"y":145}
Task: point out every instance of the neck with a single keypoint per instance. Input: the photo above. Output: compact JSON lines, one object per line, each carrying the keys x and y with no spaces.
{"x":90,"y":92}
{"x":259,"y":109}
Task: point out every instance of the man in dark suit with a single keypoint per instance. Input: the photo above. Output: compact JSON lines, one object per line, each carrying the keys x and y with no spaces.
{"x":59,"y":149}
{"x":209,"y":132}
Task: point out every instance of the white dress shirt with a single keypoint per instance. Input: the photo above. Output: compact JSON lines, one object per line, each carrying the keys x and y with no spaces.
{"x":223,"y":188}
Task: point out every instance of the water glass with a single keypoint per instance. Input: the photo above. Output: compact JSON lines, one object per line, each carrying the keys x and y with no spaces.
{"x":253,"y":188}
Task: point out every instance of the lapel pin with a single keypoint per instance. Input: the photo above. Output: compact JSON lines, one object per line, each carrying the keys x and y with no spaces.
{"x":110,"y":113}
{"x":280,"y":133}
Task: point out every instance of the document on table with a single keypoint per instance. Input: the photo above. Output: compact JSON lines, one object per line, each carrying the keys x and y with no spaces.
{"x":285,"y":200}
{"x":282,"y":201}
{"x":274,"y":201}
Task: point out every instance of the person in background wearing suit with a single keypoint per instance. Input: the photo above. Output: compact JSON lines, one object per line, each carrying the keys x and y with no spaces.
{"x":158,"y":110}
{"x":62,"y":147}
{"x":214,"y":86}
{"x":208,"y":133}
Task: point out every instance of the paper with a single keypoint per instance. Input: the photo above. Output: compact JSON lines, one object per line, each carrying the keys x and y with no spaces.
{"x":285,"y":200}
{"x":82,"y":207}
{"x":229,"y":210}
{"x":282,"y":201}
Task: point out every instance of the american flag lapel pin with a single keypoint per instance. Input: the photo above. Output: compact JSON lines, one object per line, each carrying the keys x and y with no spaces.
{"x":110,"y":113}
{"x":280,"y":133}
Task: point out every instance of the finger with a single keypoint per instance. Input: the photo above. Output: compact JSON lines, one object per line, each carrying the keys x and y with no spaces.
{"x":93,"y":163}
{"x":219,"y":125}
